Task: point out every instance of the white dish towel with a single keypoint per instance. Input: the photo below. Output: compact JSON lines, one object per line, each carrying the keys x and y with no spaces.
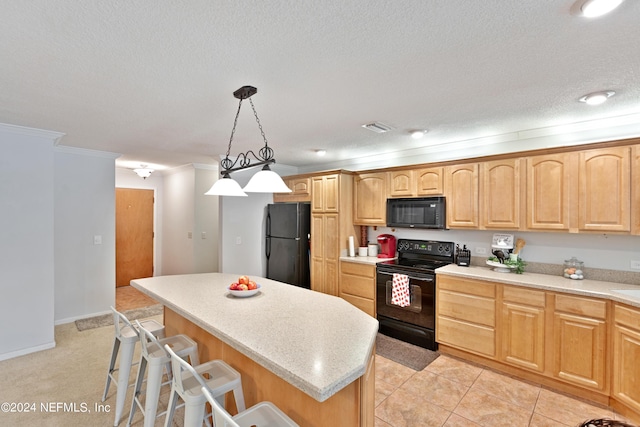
{"x":400,"y":290}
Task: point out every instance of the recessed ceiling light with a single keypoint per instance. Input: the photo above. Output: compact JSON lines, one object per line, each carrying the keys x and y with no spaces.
{"x":597,"y":98}
{"x":417,"y":134}
{"x":321,"y":153}
{"x":595,"y":8}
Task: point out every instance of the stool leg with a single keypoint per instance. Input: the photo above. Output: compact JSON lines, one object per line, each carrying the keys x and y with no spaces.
{"x":193,"y":414}
{"x":154,"y":382}
{"x":136,"y":389}
{"x":112,"y":364}
{"x":194,"y":359}
{"x":126,"y":359}
{"x":171,"y":409}
{"x":238,"y":395}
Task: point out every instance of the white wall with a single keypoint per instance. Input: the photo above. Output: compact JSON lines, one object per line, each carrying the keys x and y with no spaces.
{"x":26,"y":240}
{"x":126,"y":178}
{"x":84,"y":210}
{"x":206,"y":236}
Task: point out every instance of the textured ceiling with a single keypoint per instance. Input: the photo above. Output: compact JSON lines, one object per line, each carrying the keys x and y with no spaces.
{"x":153,"y":80}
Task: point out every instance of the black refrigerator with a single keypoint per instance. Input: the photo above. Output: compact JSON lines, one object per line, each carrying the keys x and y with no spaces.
{"x":288,"y":230}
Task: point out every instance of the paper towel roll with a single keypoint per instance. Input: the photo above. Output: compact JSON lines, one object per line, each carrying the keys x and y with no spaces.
{"x":352,"y":249}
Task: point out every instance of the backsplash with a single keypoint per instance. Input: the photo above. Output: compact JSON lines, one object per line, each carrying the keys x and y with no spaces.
{"x":615,"y":276}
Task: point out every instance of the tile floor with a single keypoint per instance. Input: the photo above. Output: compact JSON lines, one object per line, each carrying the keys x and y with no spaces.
{"x":452,"y":393}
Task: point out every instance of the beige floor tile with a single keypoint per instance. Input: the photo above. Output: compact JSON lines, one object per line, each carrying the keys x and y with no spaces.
{"x":383,"y":390}
{"x":456,"y":420}
{"x":436,"y":389}
{"x":566,"y":409}
{"x":454,"y":369}
{"x":392,"y":372}
{"x":488,"y":410}
{"x":538,"y":420}
{"x":403,"y":409}
{"x":508,"y":389}
{"x":380,"y":423}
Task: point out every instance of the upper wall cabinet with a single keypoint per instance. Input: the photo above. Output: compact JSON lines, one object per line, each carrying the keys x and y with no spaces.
{"x":604,"y":192}
{"x":300,"y":190}
{"x":402,"y":183}
{"x":501,"y":194}
{"x":550,"y":181}
{"x":416,"y":182}
{"x":635,"y":190}
{"x":461,"y":191}
{"x":370,"y":199}
{"x":325,"y":193}
{"x":429,"y":181}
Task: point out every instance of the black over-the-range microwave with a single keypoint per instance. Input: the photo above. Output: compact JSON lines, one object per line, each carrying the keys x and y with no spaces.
{"x":424,"y":212}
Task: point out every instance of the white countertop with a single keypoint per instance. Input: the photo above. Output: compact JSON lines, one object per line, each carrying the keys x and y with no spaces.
{"x":586,"y":287}
{"x":317,"y":342}
{"x":364,"y":259}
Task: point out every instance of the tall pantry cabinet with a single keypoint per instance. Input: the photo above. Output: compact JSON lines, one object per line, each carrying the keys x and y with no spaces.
{"x":331,"y":226}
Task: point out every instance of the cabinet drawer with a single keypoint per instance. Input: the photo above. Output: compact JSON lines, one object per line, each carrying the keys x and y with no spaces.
{"x":358,"y":269}
{"x":581,"y":305}
{"x":524,"y":296}
{"x":474,"y":338}
{"x":465,"y":307}
{"x":356,"y":285}
{"x":627,"y":316}
{"x":364,"y":304}
{"x":472,"y":287}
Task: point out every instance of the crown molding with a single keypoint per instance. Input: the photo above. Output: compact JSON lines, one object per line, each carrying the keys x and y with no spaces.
{"x":32,"y":132}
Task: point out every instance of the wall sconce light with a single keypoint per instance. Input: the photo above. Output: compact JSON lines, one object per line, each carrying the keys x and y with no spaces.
{"x":264,"y":181}
{"x":143,"y":171}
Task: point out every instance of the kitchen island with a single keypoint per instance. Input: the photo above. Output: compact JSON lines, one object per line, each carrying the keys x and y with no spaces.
{"x":311,"y":354}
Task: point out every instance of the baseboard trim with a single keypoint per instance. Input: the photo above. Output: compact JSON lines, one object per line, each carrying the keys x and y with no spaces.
{"x":84,"y":316}
{"x":24,"y":351}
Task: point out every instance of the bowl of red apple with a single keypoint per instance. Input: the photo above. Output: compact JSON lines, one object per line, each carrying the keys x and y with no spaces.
{"x":244,"y":287}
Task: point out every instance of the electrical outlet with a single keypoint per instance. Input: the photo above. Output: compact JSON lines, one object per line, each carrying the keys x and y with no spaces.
{"x":481,"y":251}
{"x":635,"y":264}
{"x":189,"y":235}
{"x":238,"y":240}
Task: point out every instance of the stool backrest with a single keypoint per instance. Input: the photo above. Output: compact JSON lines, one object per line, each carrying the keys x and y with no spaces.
{"x":180,"y":367}
{"x":220,"y":415}
{"x":147,"y":340}
{"x":119,"y":317}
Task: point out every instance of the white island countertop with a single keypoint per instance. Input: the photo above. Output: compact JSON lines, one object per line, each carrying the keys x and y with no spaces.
{"x":586,"y":287}
{"x":316,"y":342}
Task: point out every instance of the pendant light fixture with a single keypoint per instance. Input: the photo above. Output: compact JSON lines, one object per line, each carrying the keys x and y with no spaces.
{"x":265,"y":181}
{"x":143,"y":171}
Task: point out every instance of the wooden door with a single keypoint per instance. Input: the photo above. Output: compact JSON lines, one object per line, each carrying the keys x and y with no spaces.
{"x":134,"y":234}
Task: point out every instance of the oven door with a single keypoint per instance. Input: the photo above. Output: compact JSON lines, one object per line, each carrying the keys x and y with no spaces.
{"x":421,"y":311}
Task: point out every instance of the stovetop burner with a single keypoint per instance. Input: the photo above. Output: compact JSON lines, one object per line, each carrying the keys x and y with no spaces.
{"x":421,"y":255}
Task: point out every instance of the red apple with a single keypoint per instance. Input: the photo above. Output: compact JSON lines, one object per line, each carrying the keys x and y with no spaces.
{"x":242,"y":287}
{"x":243,"y":280}
{"x":252,"y":285}
{"x":233,"y":286}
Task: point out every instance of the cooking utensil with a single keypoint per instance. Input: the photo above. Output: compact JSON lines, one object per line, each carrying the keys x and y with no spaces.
{"x":519,"y":245}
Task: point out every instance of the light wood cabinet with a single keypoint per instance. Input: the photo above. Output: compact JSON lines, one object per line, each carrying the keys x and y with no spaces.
{"x":461,"y":191}
{"x":635,"y":190}
{"x":429,"y":181}
{"x":523,"y":327}
{"x":580,"y":341}
{"x":300,"y":190}
{"x":331,"y":226}
{"x":370,"y":194}
{"x":358,"y":285}
{"x":626,"y":354}
{"x":550,"y":184}
{"x":501,"y":194}
{"x":605,"y":190}
{"x":402,"y":183}
{"x":466,"y":315}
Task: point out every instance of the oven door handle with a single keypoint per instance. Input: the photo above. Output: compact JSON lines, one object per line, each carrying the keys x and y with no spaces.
{"x":423,"y":279}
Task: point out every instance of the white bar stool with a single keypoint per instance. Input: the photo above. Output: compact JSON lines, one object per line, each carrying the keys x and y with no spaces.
{"x":156,"y":358}
{"x":217,"y":375}
{"x":263,"y":414}
{"x":127,"y":336}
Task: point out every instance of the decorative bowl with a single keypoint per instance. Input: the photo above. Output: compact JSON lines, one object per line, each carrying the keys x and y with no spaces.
{"x":244,"y":294}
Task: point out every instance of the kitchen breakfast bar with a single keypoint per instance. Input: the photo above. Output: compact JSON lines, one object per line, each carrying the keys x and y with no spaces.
{"x":310,"y":353}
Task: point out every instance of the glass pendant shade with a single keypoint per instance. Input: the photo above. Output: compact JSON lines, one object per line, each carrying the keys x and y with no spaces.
{"x":226,"y":187}
{"x":266,"y":181}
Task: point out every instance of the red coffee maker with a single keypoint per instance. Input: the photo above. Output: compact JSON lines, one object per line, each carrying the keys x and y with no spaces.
{"x":387,"y":244}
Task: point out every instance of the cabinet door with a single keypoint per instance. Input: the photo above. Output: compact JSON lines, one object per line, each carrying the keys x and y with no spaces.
{"x":549,"y":191}
{"x":370,"y":199}
{"x":461,"y":190}
{"x":580,"y":350}
{"x":501,"y":194}
{"x":626,"y":354}
{"x":604,"y":193}
{"x":401,"y":184}
{"x":331,"y":253}
{"x":429,"y":181}
{"x":317,"y":194}
{"x":325,"y":193}
{"x":317,"y":252}
{"x":635,"y":190}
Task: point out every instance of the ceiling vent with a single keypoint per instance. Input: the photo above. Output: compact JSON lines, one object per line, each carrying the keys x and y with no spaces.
{"x":378,"y":127}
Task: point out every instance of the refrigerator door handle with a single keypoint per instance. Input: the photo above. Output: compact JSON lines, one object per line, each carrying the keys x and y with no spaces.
{"x":268,"y":223}
{"x":267,"y":247}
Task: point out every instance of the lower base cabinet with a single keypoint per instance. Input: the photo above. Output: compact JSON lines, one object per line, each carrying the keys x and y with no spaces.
{"x":626,"y":356}
{"x":358,"y":285}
